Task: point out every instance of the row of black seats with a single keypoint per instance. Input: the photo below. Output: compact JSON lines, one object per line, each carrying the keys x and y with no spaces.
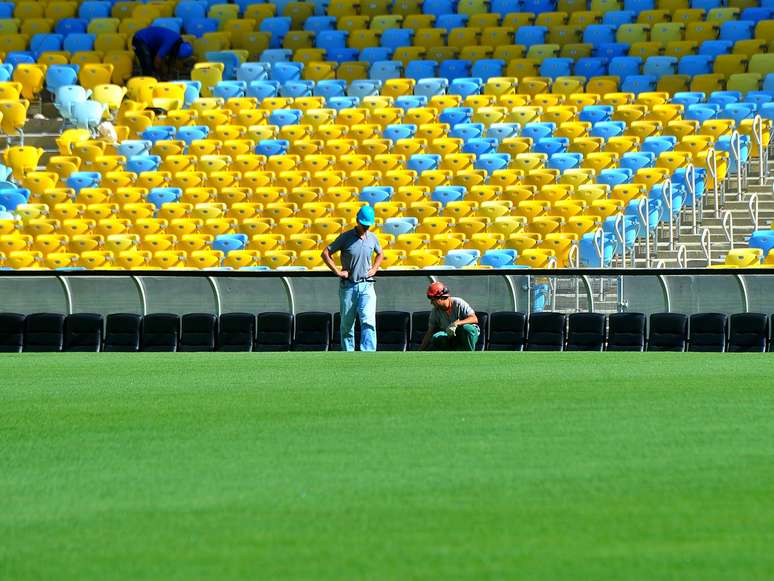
{"x":396,"y":331}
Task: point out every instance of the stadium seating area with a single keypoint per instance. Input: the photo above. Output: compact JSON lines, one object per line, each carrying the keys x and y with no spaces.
{"x":486,"y":134}
{"x":397,"y":331}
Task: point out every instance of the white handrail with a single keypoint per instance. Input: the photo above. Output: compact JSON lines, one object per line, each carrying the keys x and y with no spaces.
{"x":682,"y":256}
{"x":599,"y":246}
{"x":762,"y":151}
{"x":712,"y":168}
{"x":643,"y":210}
{"x":728,"y":227}
{"x":736,"y":151}
{"x":706,"y":244}
{"x":618,"y":228}
{"x":752,"y":207}
{"x":573,"y":257}
{"x":666,"y":194}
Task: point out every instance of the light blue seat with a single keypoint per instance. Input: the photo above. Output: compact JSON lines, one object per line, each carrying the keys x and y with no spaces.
{"x":658,"y":66}
{"x":59,"y":76}
{"x":78,"y":41}
{"x":438,"y":7}
{"x":465,"y":86}
{"x":342,"y":55}
{"x":758,"y":97}
{"x":396,"y":37}
{"x":480,"y":146}
{"x":595,"y":250}
{"x":618,"y":18}
{"x":455,"y":69}
{"x":467,"y":131}
{"x":723,"y":98}
{"x":276,"y":55}
{"x":189,"y":133}
{"x":399,"y":131}
{"x":6,"y":71}
{"x":431,"y":86}
{"x":200,"y":26}
{"x":695,"y":64}
{"x":556,"y":67}
{"x":189,"y":10}
{"x":87,"y":114}
{"x":701,"y":112}
{"x":658,"y":144}
{"x":160,"y":196}
{"x":529,"y":35}
{"x":192,"y":91}
{"x":500,"y":131}
{"x":229,"y":89}
{"x":551,"y":145}
{"x":625,"y":66}
{"x":607,"y":129}
{"x":641,"y":214}
{"x":297,"y":89}
{"x":339,"y":103}
{"x":419,"y":70}
{"x":735,"y":30}
{"x":599,"y":33}
{"x":284,"y":72}
{"x":455,"y":115}
{"x":386,"y":70}
{"x":263,"y":89}
{"x":707,"y":5}
{"x":724,"y":144}
{"x":407,"y":102}
{"x":12,"y":198}
{"x":460,"y":258}
{"x":282,"y":117}
{"x":487,"y":68}
{"x":639,"y":5}
{"x":768,"y":83}
{"x":142,"y":163}
{"x":451,"y":20}
{"x":499,"y":258}
{"x":738,"y":112}
{"x":331,"y":88}
{"x":83,"y":179}
{"x":491,"y":162}
{"x":156,"y":133}
{"x":171,"y":23}
{"x":699,"y":182}
{"x":767,"y":110}
{"x":446,"y":194}
{"x":564,"y":161}
{"x":615,"y":176}
{"x":763,"y":239}
{"x":538,"y":6}
{"x":67,"y":96}
{"x":331,"y":39}
{"x":228,"y":242}
{"x":40,"y":43}
{"x":91,"y":9}
{"x":16,"y":58}
{"x":278,"y":26}
{"x":134,"y":147}
{"x":639,"y":84}
{"x":422,"y":162}
{"x":372,"y":54}
{"x":590,"y":67}
{"x":318,"y":24}
{"x":364,"y":88}
{"x":538,"y":130}
{"x":71,"y":26}
{"x":687,"y":98}
{"x":269,"y":147}
{"x":716,"y":47}
{"x":375,"y":194}
{"x":230,"y":62}
{"x":635,"y":160}
{"x":595,"y":113}
{"x":398,"y":226}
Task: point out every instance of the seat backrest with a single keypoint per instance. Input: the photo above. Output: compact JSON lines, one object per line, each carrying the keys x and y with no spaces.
{"x":236,"y":332}
{"x":160,"y":332}
{"x":507,"y":331}
{"x":122,"y":332}
{"x":393,"y":330}
{"x":668,"y":332}
{"x":43,"y":332}
{"x":275,"y":332}
{"x":11,"y":332}
{"x":420,"y":321}
{"x":83,"y":332}
{"x":198,"y":332}
{"x":313,"y":331}
{"x":585,"y":332}
{"x":748,"y":332}
{"x":708,"y":332}
{"x":546,"y":332}
{"x":626,"y":332}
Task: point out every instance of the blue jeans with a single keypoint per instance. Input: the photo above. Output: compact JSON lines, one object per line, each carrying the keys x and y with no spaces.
{"x":358,"y":299}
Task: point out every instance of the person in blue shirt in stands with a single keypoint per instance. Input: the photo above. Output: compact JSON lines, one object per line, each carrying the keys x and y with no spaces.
{"x":158,"y":48}
{"x":357,"y":296}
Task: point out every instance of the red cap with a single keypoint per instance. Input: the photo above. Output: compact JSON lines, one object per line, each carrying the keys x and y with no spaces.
{"x":437,"y":290}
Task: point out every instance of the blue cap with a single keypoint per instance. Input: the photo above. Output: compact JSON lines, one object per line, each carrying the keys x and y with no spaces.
{"x":185,"y":50}
{"x":365,"y":216}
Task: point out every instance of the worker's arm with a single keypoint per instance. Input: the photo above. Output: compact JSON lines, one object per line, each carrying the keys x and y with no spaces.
{"x":471,"y":319}
{"x":377,"y":262}
{"x":328,"y":260}
{"x":426,"y":339}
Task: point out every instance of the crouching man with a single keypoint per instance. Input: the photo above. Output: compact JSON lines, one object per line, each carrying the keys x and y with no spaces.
{"x":453,"y":324}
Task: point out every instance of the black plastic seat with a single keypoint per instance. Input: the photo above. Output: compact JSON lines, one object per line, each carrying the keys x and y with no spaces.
{"x":546,"y":332}
{"x":708,"y":332}
{"x":483,"y":325}
{"x":668,"y":332}
{"x":420,"y":321}
{"x":11,"y":332}
{"x":313,"y":331}
{"x":122,"y":332}
{"x":236,"y":332}
{"x":585,"y":332}
{"x":507,"y":331}
{"x":392,"y":330}
{"x":44,"y":332}
{"x":336,"y":333}
{"x":275,"y":332}
{"x":626,"y":332}
{"x":748,"y":333}
{"x":83,"y":332}
{"x":160,"y":332}
{"x":198,"y":332}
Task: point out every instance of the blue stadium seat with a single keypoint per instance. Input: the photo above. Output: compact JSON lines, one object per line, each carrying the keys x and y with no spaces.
{"x":529,"y":35}
{"x":407,"y":102}
{"x":716,"y":47}
{"x":500,"y":131}
{"x":364,"y":88}
{"x":263,"y":89}
{"x":278,"y":26}
{"x":617,"y":18}
{"x":330,"y":88}
{"x":454,"y":69}
{"x":297,"y":89}
{"x":431,"y":86}
{"x":658,"y":66}
{"x":695,"y":64}
{"x":317,"y":24}
{"x":71,"y":26}
{"x":735,"y":30}
{"x":249,"y":72}
{"x":487,"y":68}
{"x":200,"y":26}
{"x":597,"y":34}
{"x":91,"y":9}
{"x":467,"y":131}
{"x":556,"y":67}
{"x":591,"y":67}
{"x":625,"y":66}
{"x":595,"y":113}
{"x":372,"y":54}
{"x":385,"y":70}
{"x":450,"y":21}
{"x":331,"y":39}
{"x":465,"y":86}
{"x":638,"y":84}
{"x":284,"y":72}
{"x":551,"y":145}
{"x":396,"y":37}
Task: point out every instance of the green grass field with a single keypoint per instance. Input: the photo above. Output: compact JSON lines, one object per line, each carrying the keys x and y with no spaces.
{"x":534,"y":466}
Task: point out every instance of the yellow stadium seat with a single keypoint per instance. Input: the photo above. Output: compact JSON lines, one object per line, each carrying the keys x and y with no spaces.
{"x":93,"y":74}
{"x":744,"y":258}
{"x":22,"y":159}
{"x":158,"y":242}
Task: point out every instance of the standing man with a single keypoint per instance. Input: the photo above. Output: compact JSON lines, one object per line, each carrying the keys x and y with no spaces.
{"x":356,"y":280}
{"x":453,"y":324}
{"x":158,"y":49}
